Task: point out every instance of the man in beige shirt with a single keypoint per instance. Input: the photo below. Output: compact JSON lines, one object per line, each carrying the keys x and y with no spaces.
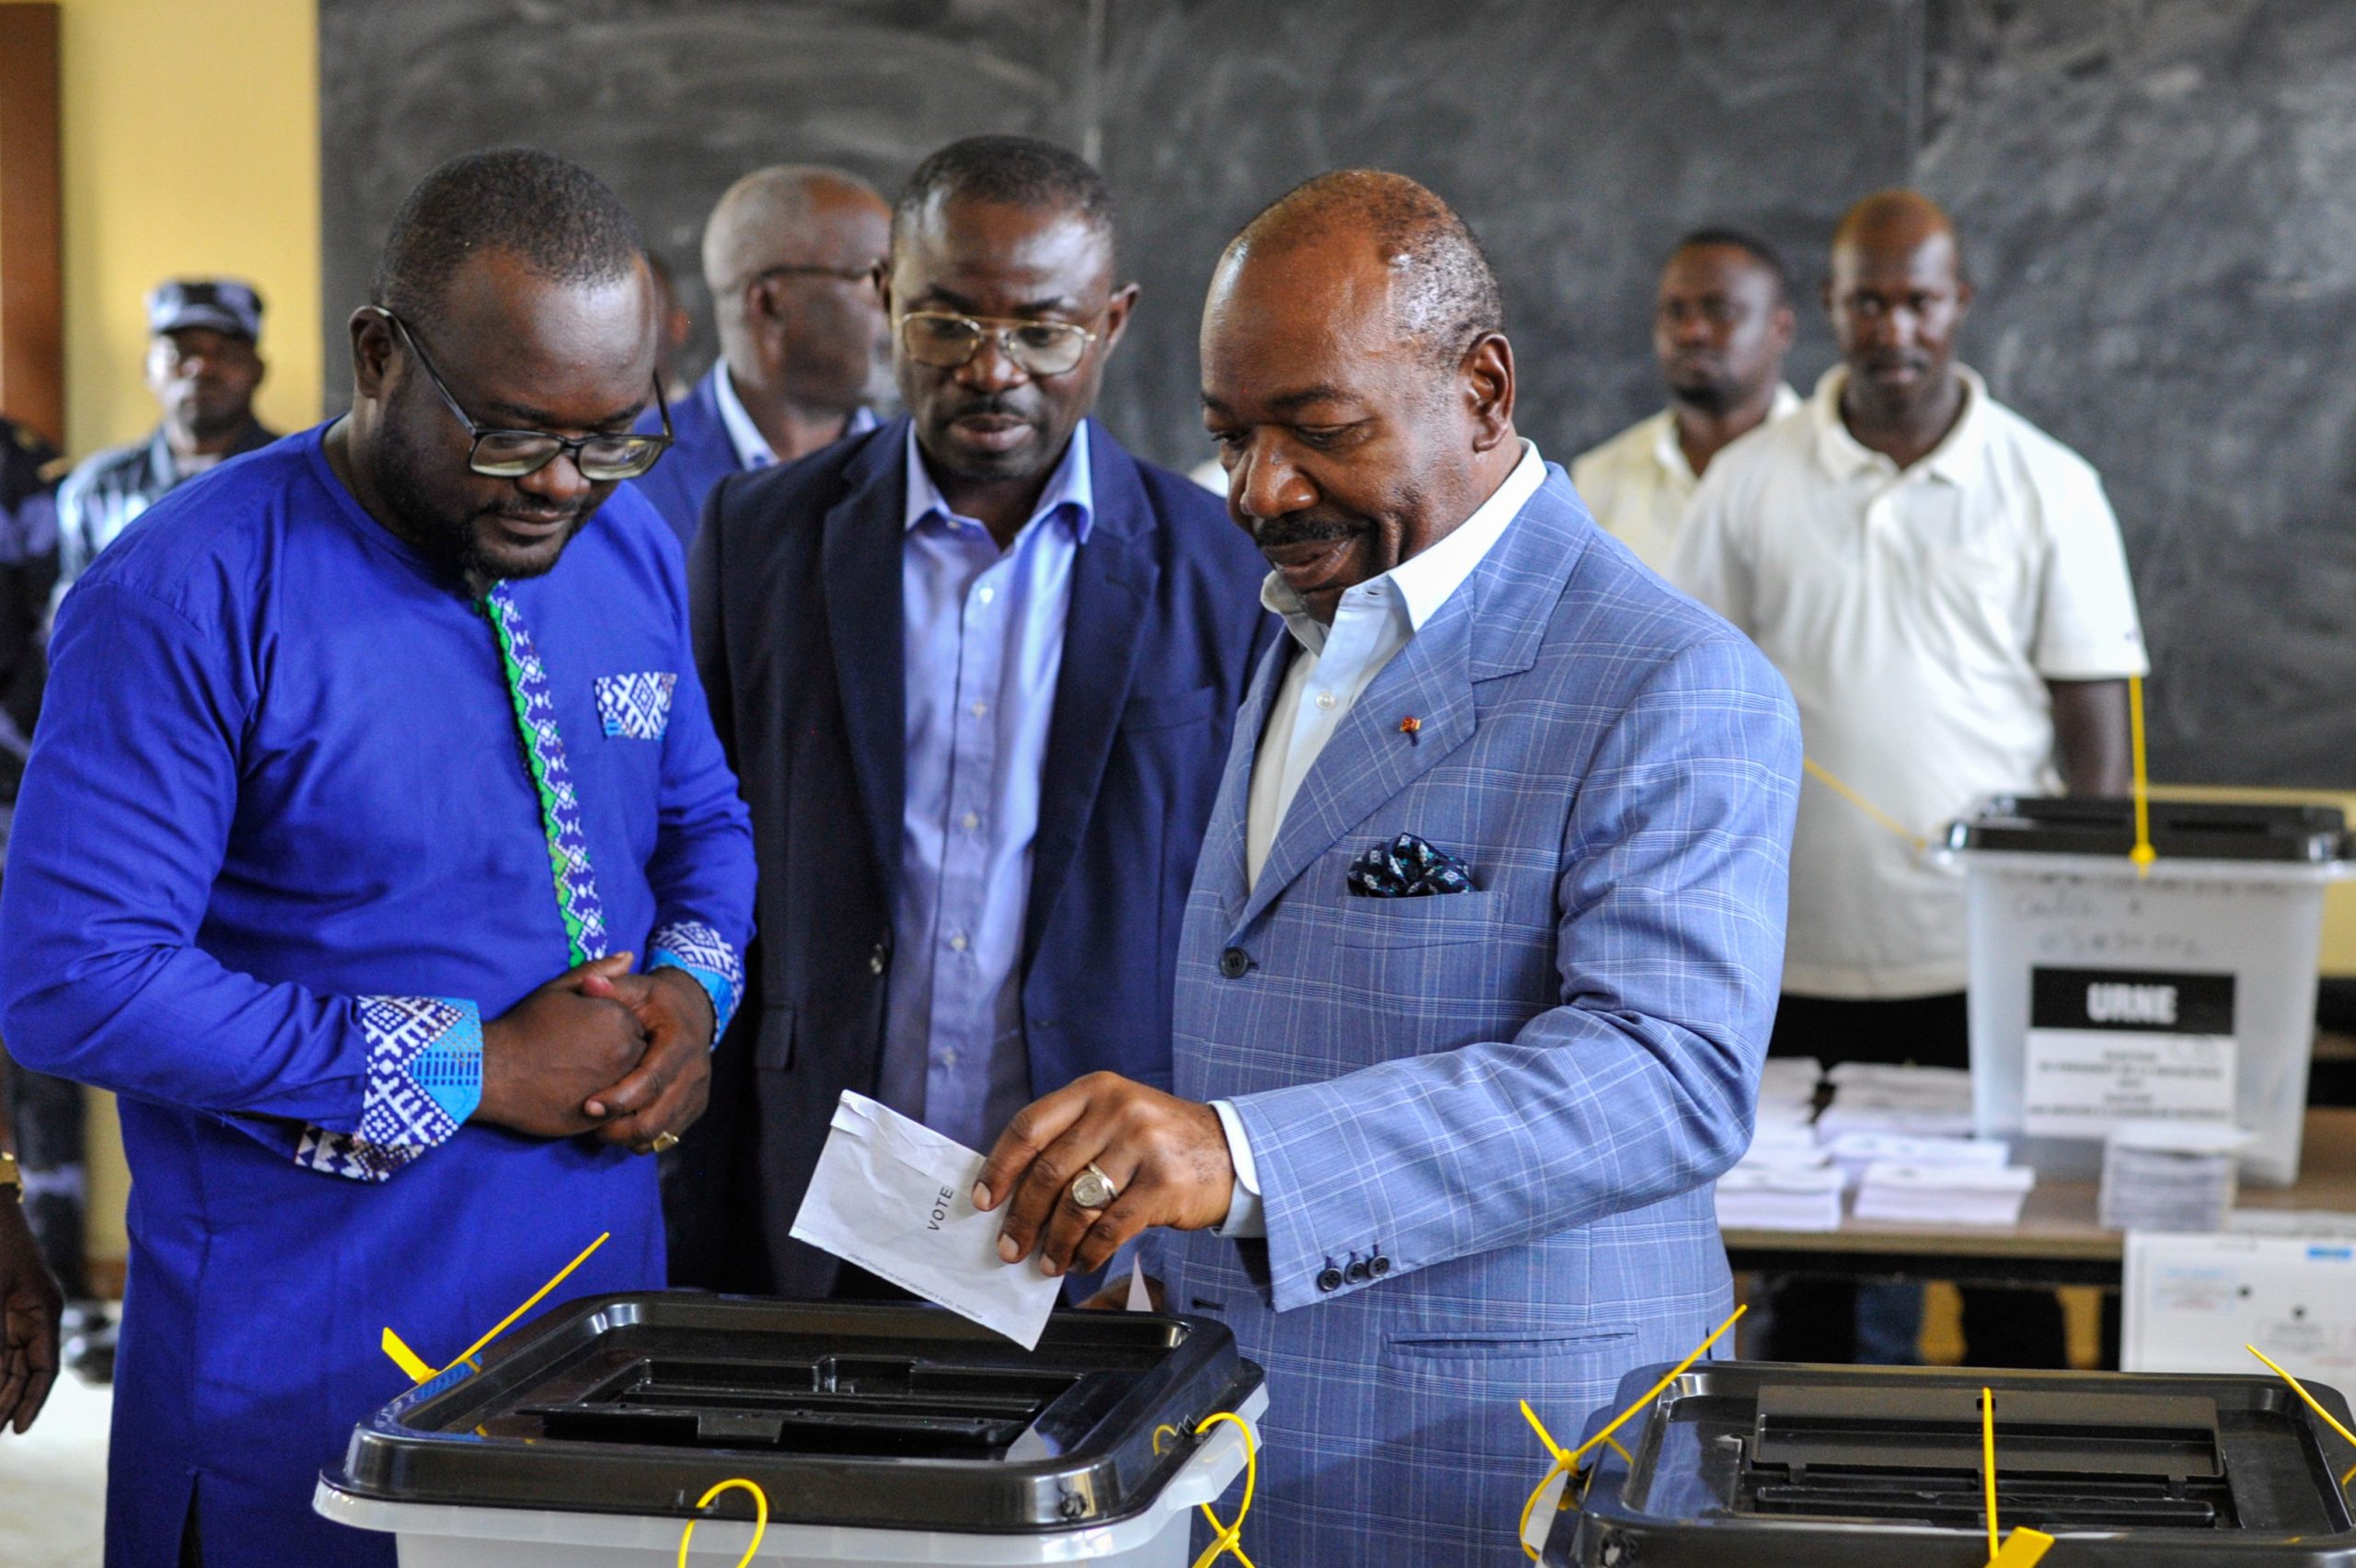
{"x":1722,"y":323}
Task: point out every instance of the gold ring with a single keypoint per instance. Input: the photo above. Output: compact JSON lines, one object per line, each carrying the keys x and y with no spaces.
{"x":1092,"y":1189}
{"x":665,"y":1140}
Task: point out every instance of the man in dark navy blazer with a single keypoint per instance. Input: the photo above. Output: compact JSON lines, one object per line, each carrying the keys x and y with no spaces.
{"x":976,"y":671}
{"x":790,"y":255}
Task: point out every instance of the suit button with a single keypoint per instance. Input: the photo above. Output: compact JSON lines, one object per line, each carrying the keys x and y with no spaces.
{"x":1381,"y":1265}
{"x":1360,"y":1271}
{"x":1329,"y":1281}
{"x":876,"y":960}
{"x":1234,"y":963}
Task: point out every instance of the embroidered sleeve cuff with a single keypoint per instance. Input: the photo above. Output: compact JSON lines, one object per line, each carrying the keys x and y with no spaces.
{"x":705,"y":954}
{"x":424,"y":1080}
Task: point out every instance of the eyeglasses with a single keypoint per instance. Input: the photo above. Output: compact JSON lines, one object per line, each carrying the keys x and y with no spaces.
{"x":513,"y":453}
{"x":946,"y":342}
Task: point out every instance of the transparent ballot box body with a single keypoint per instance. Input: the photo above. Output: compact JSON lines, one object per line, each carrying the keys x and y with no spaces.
{"x":2099,"y":997}
{"x":1755,"y":1464}
{"x":881,"y":1435}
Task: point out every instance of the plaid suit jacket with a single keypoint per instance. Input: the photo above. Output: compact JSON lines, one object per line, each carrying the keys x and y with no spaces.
{"x":1486,"y":1124}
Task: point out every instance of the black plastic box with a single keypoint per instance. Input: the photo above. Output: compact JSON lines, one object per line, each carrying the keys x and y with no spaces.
{"x":903,"y":1417}
{"x":1766,"y":1465}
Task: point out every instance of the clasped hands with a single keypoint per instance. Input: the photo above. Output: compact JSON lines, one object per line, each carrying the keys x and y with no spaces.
{"x":1167,"y":1158}
{"x":601,"y":1050}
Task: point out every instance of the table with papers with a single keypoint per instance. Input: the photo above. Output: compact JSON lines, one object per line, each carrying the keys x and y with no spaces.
{"x":2056,"y":1242}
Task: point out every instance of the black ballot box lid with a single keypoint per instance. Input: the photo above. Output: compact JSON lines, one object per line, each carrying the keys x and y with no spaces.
{"x":1771,"y":1465}
{"x":845,"y":1413}
{"x":2102,"y":824}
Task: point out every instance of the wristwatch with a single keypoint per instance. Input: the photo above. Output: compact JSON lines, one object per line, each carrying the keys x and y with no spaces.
{"x":11,"y":1178}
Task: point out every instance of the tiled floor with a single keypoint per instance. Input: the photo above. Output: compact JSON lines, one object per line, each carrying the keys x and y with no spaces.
{"x":53,"y":1480}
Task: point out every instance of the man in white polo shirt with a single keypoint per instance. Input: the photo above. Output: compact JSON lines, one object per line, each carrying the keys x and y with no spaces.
{"x":1722,"y":323}
{"x":1943,"y":586}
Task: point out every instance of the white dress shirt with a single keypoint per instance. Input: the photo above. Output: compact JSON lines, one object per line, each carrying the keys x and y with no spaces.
{"x":1638,"y":483}
{"x":1333,"y":666}
{"x":753,"y":449}
{"x":1918,"y":613}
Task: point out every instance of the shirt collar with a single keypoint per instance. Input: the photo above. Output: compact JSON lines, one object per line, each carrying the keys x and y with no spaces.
{"x":753,"y":449}
{"x":1425,"y":581}
{"x":1073,"y":486}
{"x":1953,"y":459}
{"x":1670,"y":456}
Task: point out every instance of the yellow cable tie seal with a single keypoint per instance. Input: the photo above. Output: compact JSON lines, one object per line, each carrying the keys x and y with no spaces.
{"x":760,"y":1516}
{"x":1225,"y":1538}
{"x":2024,"y":1546}
{"x":2300,"y":1390}
{"x":2142,"y":854}
{"x":1566,"y":1461}
{"x":1883,"y":818}
{"x":413,"y":1365}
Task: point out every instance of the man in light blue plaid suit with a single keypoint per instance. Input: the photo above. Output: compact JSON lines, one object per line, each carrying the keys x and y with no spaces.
{"x":1481,"y":953}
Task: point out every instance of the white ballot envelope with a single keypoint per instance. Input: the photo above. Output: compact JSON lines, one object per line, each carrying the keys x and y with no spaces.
{"x":897,"y":1198}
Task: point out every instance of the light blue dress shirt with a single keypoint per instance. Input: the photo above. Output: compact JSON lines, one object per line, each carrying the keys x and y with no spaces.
{"x":984,"y":633}
{"x":753,"y":448}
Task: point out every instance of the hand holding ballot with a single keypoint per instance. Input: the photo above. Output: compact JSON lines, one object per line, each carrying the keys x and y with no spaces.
{"x":895,"y":1197}
{"x":1166,"y":1161}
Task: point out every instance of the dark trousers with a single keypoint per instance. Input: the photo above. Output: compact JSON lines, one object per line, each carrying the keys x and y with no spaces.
{"x":1815,"y":1319}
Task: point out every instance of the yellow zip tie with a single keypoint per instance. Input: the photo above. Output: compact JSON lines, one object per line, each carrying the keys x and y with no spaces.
{"x":413,"y":1365}
{"x":1854,"y":799}
{"x":2025,"y":1546}
{"x":2142,"y":854}
{"x":1568,"y":1463}
{"x":2300,"y":1390}
{"x":1988,"y":1464}
{"x":760,"y":1517}
{"x":1225,"y":1538}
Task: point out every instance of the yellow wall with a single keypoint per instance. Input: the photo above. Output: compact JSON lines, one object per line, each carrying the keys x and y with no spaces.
{"x":191,"y":145}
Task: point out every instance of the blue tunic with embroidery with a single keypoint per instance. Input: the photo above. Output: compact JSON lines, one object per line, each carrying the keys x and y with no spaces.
{"x":299,"y":816}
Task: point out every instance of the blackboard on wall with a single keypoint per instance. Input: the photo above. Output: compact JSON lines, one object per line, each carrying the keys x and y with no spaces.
{"x":2158,"y":202}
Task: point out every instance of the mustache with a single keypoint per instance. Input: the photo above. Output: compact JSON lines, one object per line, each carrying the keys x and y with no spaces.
{"x":1301,"y":528}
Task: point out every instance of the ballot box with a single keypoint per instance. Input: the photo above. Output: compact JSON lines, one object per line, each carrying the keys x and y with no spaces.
{"x":880,"y":1434}
{"x":2101,"y":994}
{"x":1775,"y":1466}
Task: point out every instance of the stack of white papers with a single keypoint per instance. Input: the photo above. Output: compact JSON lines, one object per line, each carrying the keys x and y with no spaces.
{"x":895,"y":1197}
{"x":1767,"y":1197}
{"x":1945,"y":1194}
{"x":2170,"y":1176}
{"x":1855,"y":1152}
{"x":1922,"y":1102}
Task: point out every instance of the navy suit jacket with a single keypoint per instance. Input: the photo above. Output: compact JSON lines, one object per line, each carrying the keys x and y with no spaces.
{"x":796,"y":604}
{"x":700,"y":456}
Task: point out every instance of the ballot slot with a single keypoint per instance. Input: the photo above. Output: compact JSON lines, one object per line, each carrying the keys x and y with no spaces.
{"x":2077,"y":1461}
{"x":830,"y":1404}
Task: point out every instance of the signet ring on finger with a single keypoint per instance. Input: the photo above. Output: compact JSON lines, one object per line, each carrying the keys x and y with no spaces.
{"x":1092,"y":1189}
{"x":665,"y":1141}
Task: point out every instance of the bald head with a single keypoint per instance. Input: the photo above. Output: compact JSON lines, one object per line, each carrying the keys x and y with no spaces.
{"x":1890,"y":223}
{"x":1437,"y":281}
{"x":787,"y":254}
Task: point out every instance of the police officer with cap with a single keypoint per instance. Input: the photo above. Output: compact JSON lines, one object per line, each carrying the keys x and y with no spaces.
{"x":203,"y":367}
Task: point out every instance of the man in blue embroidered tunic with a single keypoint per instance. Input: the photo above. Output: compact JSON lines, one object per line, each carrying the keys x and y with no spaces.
{"x":368,"y":770}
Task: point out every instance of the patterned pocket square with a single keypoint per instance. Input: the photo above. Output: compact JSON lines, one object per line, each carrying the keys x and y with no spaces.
{"x":638,"y":706}
{"x":1407,"y":867}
